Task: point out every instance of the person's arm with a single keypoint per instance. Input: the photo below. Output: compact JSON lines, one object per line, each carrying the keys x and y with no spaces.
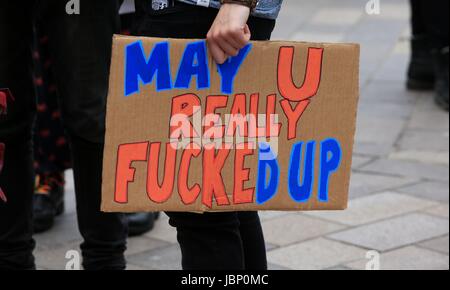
{"x":229,"y":32}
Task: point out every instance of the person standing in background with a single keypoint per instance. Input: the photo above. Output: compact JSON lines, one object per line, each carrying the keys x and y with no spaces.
{"x":429,"y":64}
{"x":80,"y":46}
{"x":51,"y":148}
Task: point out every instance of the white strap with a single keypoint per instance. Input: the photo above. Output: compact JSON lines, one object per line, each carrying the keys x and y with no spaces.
{"x":204,"y":3}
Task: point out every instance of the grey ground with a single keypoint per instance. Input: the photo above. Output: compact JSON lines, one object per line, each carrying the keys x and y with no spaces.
{"x":400,"y":184}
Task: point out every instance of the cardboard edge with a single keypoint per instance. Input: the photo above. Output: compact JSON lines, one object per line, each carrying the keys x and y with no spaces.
{"x":118,"y":38}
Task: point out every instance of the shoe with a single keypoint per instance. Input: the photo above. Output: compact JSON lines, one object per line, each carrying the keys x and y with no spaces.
{"x":421,"y":72}
{"x":441,"y":66}
{"x":141,"y":223}
{"x":48,"y":201}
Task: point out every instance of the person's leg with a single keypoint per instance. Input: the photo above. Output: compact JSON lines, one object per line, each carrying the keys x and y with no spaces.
{"x":16,"y":164}
{"x":216,"y":240}
{"x":417,"y":22}
{"x":51,"y":149}
{"x":421,"y":74}
{"x":253,"y":241}
{"x":436,"y":19}
{"x":81,"y":47}
{"x":104,"y":233}
{"x":210,"y":241}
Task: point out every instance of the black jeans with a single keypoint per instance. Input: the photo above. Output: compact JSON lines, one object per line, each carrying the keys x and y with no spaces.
{"x":431,"y":19}
{"x":211,"y":241}
{"x":80,"y":46}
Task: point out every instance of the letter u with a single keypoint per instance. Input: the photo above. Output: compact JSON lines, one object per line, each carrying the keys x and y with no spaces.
{"x":301,"y":192}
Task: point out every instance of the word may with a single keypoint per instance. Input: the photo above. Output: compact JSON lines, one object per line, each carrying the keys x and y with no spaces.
{"x":300,"y":180}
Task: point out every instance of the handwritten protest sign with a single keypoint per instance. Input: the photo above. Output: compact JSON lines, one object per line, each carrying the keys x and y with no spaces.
{"x":271,"y":129}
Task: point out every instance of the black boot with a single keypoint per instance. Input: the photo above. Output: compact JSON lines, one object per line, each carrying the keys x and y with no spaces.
{"x":48,"y":201}
{"x":441,"y":67}
{"x":421,"y":73}
{"x":141,"y":223}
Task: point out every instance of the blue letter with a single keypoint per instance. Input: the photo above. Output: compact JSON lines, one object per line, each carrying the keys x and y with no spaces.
{"x":230,"y":68}
{"x":267,"y":160}
{"x":194,"y":63}
{"x":301,"y":193}
{"x":139,"y":69}
{"x":328,"y":165}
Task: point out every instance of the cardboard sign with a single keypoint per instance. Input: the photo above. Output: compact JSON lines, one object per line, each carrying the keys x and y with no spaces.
{"x":271,"y":129}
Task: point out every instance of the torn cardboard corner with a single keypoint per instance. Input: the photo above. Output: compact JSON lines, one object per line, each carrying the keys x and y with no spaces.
{"x":271,"y":129}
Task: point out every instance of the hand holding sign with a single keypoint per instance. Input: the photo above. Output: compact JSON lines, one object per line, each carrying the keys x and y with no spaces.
{"x":229,"y":32}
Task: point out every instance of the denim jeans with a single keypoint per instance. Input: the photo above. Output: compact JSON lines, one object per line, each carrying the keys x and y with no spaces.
{"x":81,"y":50}
{"x":211,"y":241}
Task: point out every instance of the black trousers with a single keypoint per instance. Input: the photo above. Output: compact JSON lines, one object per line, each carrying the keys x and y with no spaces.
{"x":212,"y":241}
{"x":431,"y":19}
{"x":80,"y":47}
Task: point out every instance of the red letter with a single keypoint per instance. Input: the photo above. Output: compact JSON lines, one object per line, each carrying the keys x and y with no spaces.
{"x":293,"y":116}
{"x":212,"y":176}
{"x":182,"y":110}
{"x":155,"y":192}
{"x":211,"y":118}
{"x":272,"y":129}
{"x":286,"y":84}
{"x":255,"y":130}
{"x":238,"y":117}
{"x":127,"y":154}
{"x":242,"y":175}
{"x":188,"y":195}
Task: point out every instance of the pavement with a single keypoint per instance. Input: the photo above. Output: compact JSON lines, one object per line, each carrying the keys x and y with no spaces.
{"x":398,"y":216}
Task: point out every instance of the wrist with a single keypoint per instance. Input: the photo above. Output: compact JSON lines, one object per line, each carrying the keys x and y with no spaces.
{"x":250,"y":4}
{"x":236,"y":8}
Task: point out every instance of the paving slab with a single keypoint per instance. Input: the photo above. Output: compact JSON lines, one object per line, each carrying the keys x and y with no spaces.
{"x":374,"y":208}
{"x":315,"y":255}
{"x":295,"y":228}
{"x":409,"y":169}
{"x":65,"y":231}
{"x":395,"y":233}
{"x":163,"y":231}
{"x":363,"y":184}
{"x":408,"y":258}
{"x":438,"y":245}
{"x":426,"y":157}
{"x":437,"y":191}
{"x":55,"y":258}
{"x":168,"y":258}
{"x":425,"y":140}
{"x":428,"y":116}
{"x":143,"y":244}
{"x":359,"y":161}
{"x":439,"y":211}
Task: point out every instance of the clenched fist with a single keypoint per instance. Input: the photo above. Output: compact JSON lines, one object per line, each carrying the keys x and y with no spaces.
{"x":229,"y":32}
